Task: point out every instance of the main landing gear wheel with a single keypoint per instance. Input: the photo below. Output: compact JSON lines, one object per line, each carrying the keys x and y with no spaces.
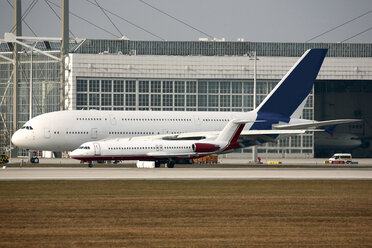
{"x":90,"y":165}
{"x":34,"y":160}
{"x":170,"y":164}
{"x":157,"y":164}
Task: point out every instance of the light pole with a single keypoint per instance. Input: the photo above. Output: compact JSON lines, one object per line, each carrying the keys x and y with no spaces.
{"x":254,"y":55}
{"x":31,"y":84}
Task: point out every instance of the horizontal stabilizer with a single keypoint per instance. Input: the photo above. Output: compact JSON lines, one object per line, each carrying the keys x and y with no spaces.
{"x":314,"y":124}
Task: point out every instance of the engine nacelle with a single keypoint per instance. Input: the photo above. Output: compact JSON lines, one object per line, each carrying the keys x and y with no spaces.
{"x":204,"y":147}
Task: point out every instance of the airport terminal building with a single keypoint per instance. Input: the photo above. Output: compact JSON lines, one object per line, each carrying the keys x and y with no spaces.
{"x":126,"y":75}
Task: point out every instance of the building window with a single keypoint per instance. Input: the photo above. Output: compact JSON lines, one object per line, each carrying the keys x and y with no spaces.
{"x":130,"y":86}
{"x":296,"y":141}
{"x":81,"y":85}
{"x":262,"y":88}
{"x":213,"y":101}
{"x":237,"y":87}
{"x":167,"y":87}
{"x":307,"y":141}
{"x":81,"y":99}
{"x":130,"y":100}
{"x":225,"y":87}
{"x":225,"y":100}
{"x":179,"y":100}
{"x":156,"y":100}
{"x":106,"y":99}
{"x":236,"y":101}
{"x":93,"y":85}
{"x":106,"y":86}
{"x":202,"y":87}
{"x":118,"y":100}
{"x":248,"y":101}
{"x":191,"y":87}
{"x":213,"y":87}
{"x":248,"y":87}
{"x":94,"y":99}
{"x":307,"y":114}
{"x":191,"y":100}
{"x":118,"y":85}
{"x":143,"y":86}
{"x":167,"y":100}
{"x":179,"y":86}
{"x":143,"y":100}
{"x":202,"y":100}
{"x":155,"y":86}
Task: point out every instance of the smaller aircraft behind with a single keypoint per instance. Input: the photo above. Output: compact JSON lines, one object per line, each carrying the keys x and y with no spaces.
{"x":160,"y":150}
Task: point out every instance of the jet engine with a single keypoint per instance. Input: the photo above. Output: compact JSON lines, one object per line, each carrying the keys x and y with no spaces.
{"x":204,"y":147}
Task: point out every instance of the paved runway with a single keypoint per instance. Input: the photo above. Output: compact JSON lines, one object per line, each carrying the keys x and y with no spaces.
{"x":184,"y":174}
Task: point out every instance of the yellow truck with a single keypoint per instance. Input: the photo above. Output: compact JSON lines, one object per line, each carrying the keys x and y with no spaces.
{"x":4,"y":158}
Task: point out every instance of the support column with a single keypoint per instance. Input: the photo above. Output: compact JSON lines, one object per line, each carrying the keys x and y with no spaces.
{"x":64,"y":49}
{"x":17,"y":32}
{"x":254,"y":148}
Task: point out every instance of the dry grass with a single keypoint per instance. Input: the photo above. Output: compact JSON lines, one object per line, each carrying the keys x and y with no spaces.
{"x":185,"y":213}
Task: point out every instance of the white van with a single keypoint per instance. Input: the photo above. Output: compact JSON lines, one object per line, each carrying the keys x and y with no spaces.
{"x":341,"y":158}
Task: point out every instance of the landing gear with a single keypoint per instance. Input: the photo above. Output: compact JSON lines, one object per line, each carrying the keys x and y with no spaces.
{"x":90,"y":165}
{"x":170,"y":163}
{"x":157,"y":164}
{"x":33,"y":157}
{"x":34,"y":160}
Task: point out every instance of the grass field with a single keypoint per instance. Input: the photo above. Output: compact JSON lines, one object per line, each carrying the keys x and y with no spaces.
{"x":185,"y":213}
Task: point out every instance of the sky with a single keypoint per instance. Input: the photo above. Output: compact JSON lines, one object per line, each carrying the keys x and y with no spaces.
{"x":252,"y":20}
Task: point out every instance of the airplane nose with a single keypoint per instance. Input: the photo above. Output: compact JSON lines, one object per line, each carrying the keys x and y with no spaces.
{"x":75,"y":153}
{"x":16,"y":139}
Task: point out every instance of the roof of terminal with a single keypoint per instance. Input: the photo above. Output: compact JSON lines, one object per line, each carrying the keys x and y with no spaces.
{"x":201,"y":48}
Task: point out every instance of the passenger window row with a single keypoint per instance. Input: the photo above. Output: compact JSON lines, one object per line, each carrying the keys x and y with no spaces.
{"x":131,"y":133}
{"x":137,"y":119}
{"x":77,"y":132}
{"x":150,"y":147}
{"x":215,"y":119}
{"x":155,"y":119}
{"x":89,"y":119}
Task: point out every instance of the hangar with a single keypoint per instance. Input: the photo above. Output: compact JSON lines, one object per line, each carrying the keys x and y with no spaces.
{"x":190,"y":76}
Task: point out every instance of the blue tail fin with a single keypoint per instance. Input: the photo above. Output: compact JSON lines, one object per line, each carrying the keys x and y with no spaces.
{"x":292,"y":90}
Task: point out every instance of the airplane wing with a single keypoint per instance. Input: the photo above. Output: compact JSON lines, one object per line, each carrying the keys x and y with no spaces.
{"x":267,"y":135}
{"x":314,"y":124}
{"x":246,"y":135}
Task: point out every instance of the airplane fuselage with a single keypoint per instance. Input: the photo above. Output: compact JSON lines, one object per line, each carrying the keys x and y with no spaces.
{"x":67,"y":130}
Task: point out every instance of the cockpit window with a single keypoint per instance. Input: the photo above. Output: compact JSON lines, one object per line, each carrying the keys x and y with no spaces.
{"x":84,"y":147}
{"x":27,"y":127}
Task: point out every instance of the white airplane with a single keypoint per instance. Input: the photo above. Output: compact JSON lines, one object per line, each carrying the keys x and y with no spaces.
{"x":159,"y":150}
{"x":339,"y":141}
{"x":278,"y":115}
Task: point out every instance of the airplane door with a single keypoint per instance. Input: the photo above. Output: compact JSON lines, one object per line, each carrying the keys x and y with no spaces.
{"x":97,"y":149}
{"x":94,"y":133}
{"x":197,"y":120}
{"x":113,"y":119}
{"x":47,"y":133}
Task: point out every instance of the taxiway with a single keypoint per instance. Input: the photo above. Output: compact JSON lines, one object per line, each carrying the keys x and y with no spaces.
{"x":185,"y":174}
